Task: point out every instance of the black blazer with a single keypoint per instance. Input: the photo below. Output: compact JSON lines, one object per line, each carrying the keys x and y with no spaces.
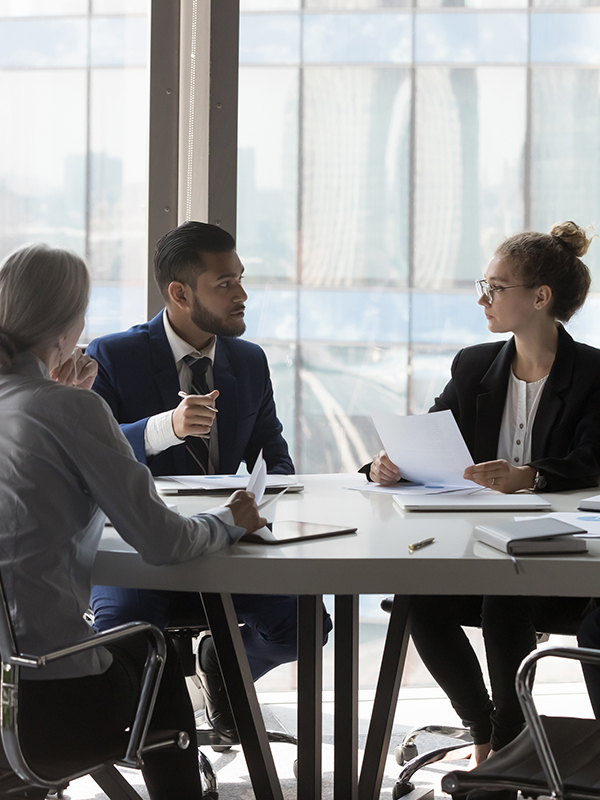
{"x":565,"y":443}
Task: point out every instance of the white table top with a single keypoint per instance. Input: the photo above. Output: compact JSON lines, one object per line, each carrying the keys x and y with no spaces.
{"x":372,"y":561}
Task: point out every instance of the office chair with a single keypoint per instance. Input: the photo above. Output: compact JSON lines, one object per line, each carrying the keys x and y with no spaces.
{"x":407,"y":754}
{"x":553,"y":756}
{"x":183,"y":630}
{"x":129,"y":752}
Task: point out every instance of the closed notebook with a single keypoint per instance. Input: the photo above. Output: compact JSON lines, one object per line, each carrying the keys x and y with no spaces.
{"x":530,"y":536}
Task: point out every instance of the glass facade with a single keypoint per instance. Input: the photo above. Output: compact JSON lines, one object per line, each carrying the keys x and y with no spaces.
{"x":385,"y":149}
{"x":73,"y":144}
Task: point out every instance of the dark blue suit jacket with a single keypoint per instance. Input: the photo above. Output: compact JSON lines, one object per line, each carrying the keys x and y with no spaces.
{"x":137,"y":377}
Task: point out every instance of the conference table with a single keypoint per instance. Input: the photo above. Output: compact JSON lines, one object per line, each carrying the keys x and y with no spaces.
{"x":374,"y":560}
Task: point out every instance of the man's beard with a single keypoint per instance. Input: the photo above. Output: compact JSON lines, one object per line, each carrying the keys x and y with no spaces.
{"x":209,"y":323}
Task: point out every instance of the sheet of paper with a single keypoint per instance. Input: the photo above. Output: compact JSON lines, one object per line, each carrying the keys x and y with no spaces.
{"x":428,"y":448}
{"x":410,"y":488}
{"x":272,"y":499}
{"x":258,"y":479}
{"x":583,"y":519}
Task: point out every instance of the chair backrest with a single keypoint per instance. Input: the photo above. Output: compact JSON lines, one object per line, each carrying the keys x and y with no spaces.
{"x":9,"y":691}
{"x":8,"y":642}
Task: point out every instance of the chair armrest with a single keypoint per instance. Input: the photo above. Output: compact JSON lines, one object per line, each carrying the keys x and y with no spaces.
{"x":524,"y":687}
{"x":149,"y":683}
{"x":97,"y":640}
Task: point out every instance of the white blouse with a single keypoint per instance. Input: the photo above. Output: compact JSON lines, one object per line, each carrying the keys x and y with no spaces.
{"x":520,"y":408}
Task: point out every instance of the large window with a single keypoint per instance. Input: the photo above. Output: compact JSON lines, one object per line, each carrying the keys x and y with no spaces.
{"x":73,"y":143}
{"x":385,"y":150}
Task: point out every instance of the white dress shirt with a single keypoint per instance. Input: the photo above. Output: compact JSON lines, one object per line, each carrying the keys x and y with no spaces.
{"x":520,"y":408}
{"x":64,"y":465}
{"x":159,"y":434}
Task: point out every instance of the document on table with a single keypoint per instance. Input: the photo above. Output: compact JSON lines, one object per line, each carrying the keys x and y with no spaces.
{"x":414,"y":488}
{"x":221,"y":484}
{"x":428,"y":448}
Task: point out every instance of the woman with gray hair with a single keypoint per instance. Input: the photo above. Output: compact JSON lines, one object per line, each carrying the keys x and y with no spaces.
{"x":64,"y":467}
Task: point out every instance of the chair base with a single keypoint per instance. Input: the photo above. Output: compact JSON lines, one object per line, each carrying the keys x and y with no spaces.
{"x":410,"y":792}
{"x":404,"y":786}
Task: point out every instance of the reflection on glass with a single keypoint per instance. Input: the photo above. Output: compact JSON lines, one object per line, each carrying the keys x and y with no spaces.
{"x":470,"y":134}
{"x":269,"y":39}
{"x":357,"y":38}
{"x":74,"y":161}
{"x":270,"y":313}
{"x":565,"y":3}
{"x":39,"y":43}
{"x":454,"y":319}
{"x":584,"y":327}
{"x":471,"y":38}
{"x":355,"y":176}
{"x":118,"y":191}
{"x":430,"y":372}
{"x":340,"y":388}
{"x":571,"y":38}
{"x":270,"y":5}
{"x":565,"y":170}
{"x":268,"y":172}
{"x":118,"y":41}
{"x":43,"y":159}
{"x":120,"y":6}
{"x":42,"y":8}
{"x":356,"y":5}
{"x":484,"y":4}
{"x":339,"y":316}
{"x":282,"y":363}
{"x":112,"y":308}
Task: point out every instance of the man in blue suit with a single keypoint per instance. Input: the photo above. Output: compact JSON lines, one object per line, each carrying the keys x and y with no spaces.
{"x":190,"y":350}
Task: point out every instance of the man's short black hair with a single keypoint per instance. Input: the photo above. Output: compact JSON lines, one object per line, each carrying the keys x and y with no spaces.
{"x":178,"y":255}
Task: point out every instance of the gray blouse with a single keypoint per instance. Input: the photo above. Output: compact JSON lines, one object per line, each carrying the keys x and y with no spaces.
{"x":64,"y":467}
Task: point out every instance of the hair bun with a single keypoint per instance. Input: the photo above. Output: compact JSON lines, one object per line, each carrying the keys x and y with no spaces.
{"x":572,"y":236}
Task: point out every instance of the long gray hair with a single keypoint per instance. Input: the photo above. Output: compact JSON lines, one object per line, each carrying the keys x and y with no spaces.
{"x":43,"y":291}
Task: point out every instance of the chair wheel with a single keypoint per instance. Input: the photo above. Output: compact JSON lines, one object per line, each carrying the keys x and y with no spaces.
{"x":400,"y":789}
{"x":405,"y":752}
{"x":221,"y":748}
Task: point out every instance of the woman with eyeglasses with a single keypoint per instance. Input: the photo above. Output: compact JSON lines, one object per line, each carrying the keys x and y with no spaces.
{"x":529,"y":411}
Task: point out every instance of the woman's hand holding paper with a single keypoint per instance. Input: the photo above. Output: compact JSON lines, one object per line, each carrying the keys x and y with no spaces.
{"x":384,"y":471}
{"x":501,"y":476}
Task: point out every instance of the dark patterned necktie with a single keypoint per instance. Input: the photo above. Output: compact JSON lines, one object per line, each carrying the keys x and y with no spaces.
{"x":197,"y":447}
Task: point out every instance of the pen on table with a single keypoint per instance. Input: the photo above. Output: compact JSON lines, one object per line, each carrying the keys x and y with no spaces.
{"x":419,"y":545}
{"x":185,"y":394}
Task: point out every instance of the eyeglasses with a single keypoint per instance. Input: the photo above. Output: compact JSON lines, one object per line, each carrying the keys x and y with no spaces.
{"x":485,"y":290}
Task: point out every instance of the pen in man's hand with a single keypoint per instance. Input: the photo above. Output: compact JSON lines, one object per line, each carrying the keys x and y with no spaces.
{"x":419,"y":545}
{"x":185,"y":394}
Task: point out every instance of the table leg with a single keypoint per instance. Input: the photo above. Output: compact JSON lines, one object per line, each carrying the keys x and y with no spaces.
{"x":386,"y":698}
{"x":113,"y":784}
{"x":310,"y":696}
{"x":345,"y":757}
{"x":229,"y":647}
